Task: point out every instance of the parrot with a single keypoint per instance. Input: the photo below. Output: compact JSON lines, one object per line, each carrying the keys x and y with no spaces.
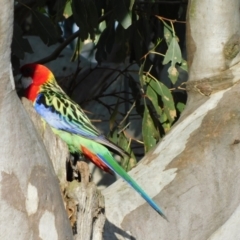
{"x":71,"y":124}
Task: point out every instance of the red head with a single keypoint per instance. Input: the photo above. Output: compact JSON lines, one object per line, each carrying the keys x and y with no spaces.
{"x":34,"y":76}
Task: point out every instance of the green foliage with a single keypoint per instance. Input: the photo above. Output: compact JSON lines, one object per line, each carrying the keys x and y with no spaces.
{"x":118,"y":137}
{"x":68,"y":9}
{"x":45,"y":28}
{"x":143,"y":35}
{"x":86,"y":17}
{"x":122,"y":12}
{"x":149,"y":130}
{"x":161,"y":91}
{"x":180,"y":106}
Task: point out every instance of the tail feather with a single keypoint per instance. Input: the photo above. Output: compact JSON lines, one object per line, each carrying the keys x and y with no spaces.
{"x":96,"y":160}
{"x":100,"y":156}
{"x":111,"y":146}
{"x":114,"y":166}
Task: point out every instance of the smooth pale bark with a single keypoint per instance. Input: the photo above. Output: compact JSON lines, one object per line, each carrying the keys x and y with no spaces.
{"x":83,"y":201}
{"x":194,"y":172}
{"x":31,"y":205}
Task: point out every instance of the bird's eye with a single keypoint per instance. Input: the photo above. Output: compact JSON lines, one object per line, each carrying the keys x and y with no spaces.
{"x":26,"y":72}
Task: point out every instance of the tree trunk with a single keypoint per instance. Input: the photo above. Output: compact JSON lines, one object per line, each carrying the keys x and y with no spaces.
{"x":83,"y":201}
{"x":193,"y":172}
{"x":31,"y":205}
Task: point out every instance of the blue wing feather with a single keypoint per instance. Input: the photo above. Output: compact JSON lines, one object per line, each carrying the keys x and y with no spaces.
{"x":60,"y":122}
{"x":60,"y":112}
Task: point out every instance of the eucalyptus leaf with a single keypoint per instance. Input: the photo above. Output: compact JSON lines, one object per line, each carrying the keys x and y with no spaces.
{"x":173,"y":74}
{"x":80,"y":15}
{"x":167,"y":34}
{"x":184,"y":65}
{"x":166,"y":97}
{"x":148,"y":130}
{"x":166,"y":125}
{"x":113,"y":136}
{"x":77,"y":51}
{"x":45,"y":28}
{"x":123,"y":142}
{"x":122,"y":13}
{"x":86,"y":17}
{"x":68,"y":9}
{"x":153,"y":96}
{"x":113,"y":116}
{"x":141,"y":74}
{"x":180,"y":106}
{"x":105,"y":43}
{"x":59,"y":8}
{"x":173,"y":53}
{"x":92,"y":17}
{"x":127,"y":162}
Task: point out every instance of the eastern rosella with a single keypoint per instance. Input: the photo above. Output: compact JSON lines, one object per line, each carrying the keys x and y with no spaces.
{"x":70,"y":123}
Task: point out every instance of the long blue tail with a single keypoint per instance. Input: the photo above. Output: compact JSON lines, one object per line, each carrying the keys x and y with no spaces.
{"x":112,"y":164}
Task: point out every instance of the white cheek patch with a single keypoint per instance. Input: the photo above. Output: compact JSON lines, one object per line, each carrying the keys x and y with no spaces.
{"x":26,"y":82}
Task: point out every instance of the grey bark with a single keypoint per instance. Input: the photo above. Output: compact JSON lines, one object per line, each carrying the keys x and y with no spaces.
{"x":83,"y":201}
{"x":57,"y":149}
{"x":194,"y":172}
{"x":31,"y":205}
{"x":90,"y":214}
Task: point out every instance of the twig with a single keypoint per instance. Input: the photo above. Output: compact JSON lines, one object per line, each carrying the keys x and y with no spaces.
{"x":133,"y":105}
{"x":123,"y":72}
{"x":170,"y":20}
{"x":124,"y":128}
{"x":134,"y":139}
